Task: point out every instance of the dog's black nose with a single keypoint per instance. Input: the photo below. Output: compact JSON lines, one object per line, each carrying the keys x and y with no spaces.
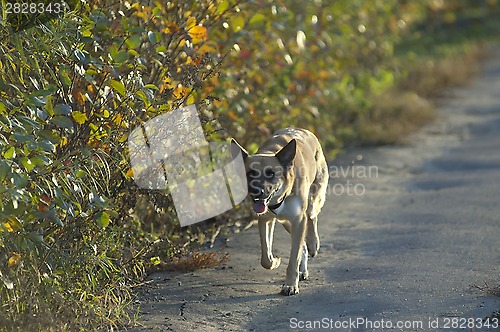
{"x":257,"y":192}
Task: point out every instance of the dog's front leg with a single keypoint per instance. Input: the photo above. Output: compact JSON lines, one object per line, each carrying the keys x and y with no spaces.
{"x":266,"y":230}
{"x":297,"y":232}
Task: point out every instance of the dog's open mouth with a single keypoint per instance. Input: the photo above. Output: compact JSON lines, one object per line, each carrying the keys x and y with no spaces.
{"x":260,"y":206}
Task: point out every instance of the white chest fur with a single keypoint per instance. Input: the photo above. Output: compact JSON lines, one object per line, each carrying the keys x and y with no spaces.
{"x":291,"y":207}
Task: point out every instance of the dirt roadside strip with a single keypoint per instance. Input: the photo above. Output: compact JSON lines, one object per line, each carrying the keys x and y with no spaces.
{"x":407,"y":232}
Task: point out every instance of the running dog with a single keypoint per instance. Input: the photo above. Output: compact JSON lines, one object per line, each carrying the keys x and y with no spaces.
{"x":287,"y":180}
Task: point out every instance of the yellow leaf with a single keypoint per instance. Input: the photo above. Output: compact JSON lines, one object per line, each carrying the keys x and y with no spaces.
{"x":8,"y":226}
{"x":12,"y":225}
{"x":206,"y":47}
{"x":130,"y":173}
{"x":79,"y":117}
{"x":63,"y":142}
{"x":191,"y":99}
{"x":191,"y":22}
{"x":197,"y":33}
{"x":123,"y":138}
{"x":165,"y":85}
{"x":171,"y":28}
{"x":181,"y":92}
{"x":14,"y":259}
{"x":117,"y":119}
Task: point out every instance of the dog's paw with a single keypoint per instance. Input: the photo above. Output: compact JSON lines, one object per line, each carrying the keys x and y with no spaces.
{"x":289,"y":290}
{"x":270,"y":264}
{"x":303,"y":275}
{"x":276,"y":263}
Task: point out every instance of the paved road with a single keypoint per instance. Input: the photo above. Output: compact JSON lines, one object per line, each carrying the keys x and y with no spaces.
{"x":419,"y":228}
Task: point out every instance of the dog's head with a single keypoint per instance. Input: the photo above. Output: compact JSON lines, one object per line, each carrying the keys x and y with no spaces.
{"x":268,"y":174}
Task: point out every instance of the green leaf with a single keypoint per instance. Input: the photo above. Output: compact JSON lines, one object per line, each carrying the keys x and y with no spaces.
{"x":161,"y":49}
{"x":62,"y":109}
{"x":20,"y":180}
{"x":237,"y":23}
{"x":142,"y":95}
{"x":113,"y":213}
{"x":79,"y":117}
{"x":37,"y":101}
{"x":80,"y":174}
{"x":155,"y":260}
{"x":102,"y":219}
{"x":223,"y":6}
{"x":49,"y":107}
{"x":121,"y":56}
{"x":40,"y":160}
{"x":3,"y":109}
{"x":134,"y":41}
{"x":64,"y":77}
{"x":22,"y":138}
{"x":4,"y":169}
{"x":151,"y":86}
{"x":47,"y":145}
{"x":10,"y":153}
{"x":62,"y":122}
{"x":49,"y":135}
{"x":27,"y":164}
{"x":257,"y":19}
{"x":57,"y":221}
{"x":118,"y":86}
{"x":35,"y":237}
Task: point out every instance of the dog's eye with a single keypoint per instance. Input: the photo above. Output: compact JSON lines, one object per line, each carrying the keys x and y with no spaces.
{"x":269,"y":173}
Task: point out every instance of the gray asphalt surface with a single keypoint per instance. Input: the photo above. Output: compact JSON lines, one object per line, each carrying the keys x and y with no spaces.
{"x":417,"y":232}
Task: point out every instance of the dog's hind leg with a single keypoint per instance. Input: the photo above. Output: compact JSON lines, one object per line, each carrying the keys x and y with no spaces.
{"x":303,"y":273}
{"x":317,"y":196}
{"x":266,"y":230}
{"x":312,"y":239}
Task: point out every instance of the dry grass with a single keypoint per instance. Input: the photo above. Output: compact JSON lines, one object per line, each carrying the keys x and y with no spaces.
{"x":411,"y":104}
{"x":192,"y":261}
{"x":430,"y":78}
{"x":393,"y":116}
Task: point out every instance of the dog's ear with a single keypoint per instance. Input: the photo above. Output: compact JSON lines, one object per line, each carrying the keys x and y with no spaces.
{"x":286,"y":155}
{"x":236,"y":148}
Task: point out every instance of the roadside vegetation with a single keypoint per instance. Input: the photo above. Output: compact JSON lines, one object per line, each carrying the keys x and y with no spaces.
{"x":77,"y":236}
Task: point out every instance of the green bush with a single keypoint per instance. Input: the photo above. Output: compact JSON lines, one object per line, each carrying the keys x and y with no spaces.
{"x":71,"y":90}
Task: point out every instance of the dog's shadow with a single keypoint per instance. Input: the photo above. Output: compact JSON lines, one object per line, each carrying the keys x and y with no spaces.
{"x":169,"y":292}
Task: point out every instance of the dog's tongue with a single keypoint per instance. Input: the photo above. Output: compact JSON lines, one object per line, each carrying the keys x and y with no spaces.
{"x":259,"y":207}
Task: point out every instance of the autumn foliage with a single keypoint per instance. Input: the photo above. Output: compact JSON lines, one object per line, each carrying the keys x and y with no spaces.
{"x":75,"y":231}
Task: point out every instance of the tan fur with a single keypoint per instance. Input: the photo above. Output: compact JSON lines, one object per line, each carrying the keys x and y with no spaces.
{"x":300,"y":181}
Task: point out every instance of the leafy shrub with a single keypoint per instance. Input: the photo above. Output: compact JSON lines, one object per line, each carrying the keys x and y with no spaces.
{"x":71,"y":90}
{"x":75,"y":232}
